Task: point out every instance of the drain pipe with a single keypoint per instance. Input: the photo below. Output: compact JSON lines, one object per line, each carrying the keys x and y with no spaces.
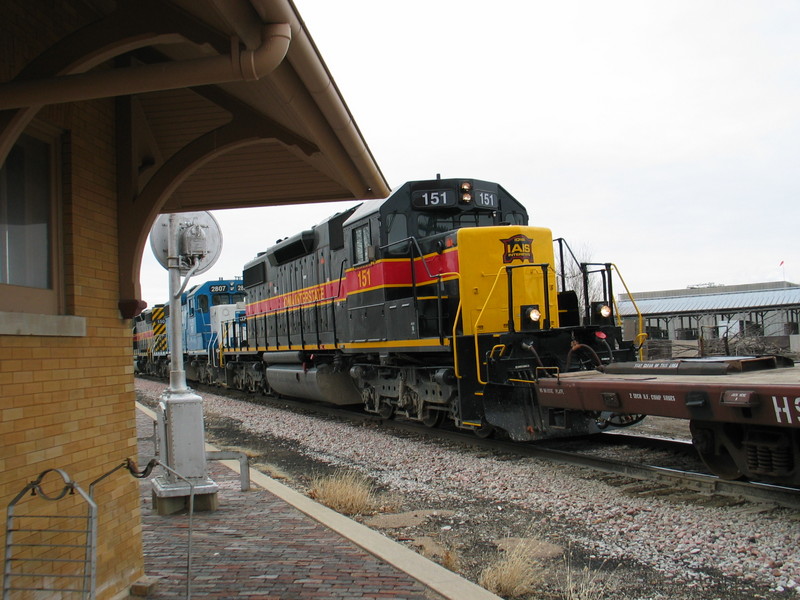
{"x":239,"y":65}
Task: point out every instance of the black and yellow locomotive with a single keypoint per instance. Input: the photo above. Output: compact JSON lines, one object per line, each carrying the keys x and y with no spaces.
{"x":439,"y":302}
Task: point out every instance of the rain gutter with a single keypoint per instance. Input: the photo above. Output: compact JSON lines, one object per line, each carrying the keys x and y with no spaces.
{"x":240,"y":65}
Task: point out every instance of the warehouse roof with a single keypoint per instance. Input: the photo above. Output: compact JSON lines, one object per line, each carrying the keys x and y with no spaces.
{"x":713,"y":299}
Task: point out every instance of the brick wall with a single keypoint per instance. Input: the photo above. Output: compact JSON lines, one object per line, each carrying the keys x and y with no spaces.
{"x":68,"y":402}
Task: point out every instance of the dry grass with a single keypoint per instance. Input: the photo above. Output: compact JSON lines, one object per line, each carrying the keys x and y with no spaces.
{"x":514,"y":575}
{"x":584,"y":583}
{"x":273,"y":471}
{"x":451,"y":560}
{"x":346,"y":492}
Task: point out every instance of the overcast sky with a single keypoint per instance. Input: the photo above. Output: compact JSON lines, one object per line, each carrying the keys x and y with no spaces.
{"x":661,"y":136}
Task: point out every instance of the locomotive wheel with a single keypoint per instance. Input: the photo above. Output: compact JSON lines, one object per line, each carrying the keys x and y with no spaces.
{"x":431,"y":418}
{"x":385,"y":410}
{"x":715,"y":455}
{"x":484,"y":431}
{"x":238,"y":381}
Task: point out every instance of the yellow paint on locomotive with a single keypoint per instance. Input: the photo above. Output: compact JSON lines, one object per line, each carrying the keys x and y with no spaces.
{"x":485,"y":254}
{"x":159,"y":330}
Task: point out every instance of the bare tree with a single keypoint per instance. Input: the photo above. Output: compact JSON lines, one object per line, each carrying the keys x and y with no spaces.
{"x":570,"y":275}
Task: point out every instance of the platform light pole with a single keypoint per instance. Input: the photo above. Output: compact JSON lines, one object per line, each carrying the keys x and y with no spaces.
{"x":190,"y":250}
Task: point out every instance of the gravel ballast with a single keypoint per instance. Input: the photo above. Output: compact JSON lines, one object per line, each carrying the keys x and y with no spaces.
{"x":691,"y":548}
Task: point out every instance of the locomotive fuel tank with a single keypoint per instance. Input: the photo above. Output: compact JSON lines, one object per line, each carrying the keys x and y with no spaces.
{"x":320,"y":383}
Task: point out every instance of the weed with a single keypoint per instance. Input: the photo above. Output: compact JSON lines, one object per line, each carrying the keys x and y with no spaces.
{"x":346,"y":492}
{"x":514,"y":574}
{"x":584,"y":583}
{"x":273,"y":471}
{"x":451,"y":560}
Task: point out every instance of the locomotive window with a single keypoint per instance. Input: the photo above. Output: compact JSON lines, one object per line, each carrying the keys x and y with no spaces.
{"x":202,"y":304}
{"x":428,"y":224}
{"x":236,"y":298}
{"x":255,"y":275}
{"x":431,"y":225}
{"x":218,"y":299}
{"x":360,"y":244}
{"x":471,"y":219}
{"x":397,"y":224}
{"x":514,"y":218}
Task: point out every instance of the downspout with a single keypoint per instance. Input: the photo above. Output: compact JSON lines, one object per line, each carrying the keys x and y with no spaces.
{"x":239,"y":65}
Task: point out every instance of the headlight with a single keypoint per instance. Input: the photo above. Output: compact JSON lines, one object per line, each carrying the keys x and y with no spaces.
{"x":601,"y":313}
{"x":466,"y":192}
{"x":531,"y":317}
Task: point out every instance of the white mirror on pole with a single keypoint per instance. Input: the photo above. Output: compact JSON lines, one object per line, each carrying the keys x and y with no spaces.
{"x":200,"y":240}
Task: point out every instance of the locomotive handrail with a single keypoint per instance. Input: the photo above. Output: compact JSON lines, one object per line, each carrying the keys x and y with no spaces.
{"x":475,"y":327}
{"x":507,"y":269}
{"x":210,"y":348}
{"x":561,"y":244}
{"x":640,"y":318}
{"x":456,"y":362}
{"x":416,"y":247}
{"x":300,"y":306}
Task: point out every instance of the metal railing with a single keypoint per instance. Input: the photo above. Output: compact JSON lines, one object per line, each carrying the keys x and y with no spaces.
{"x":51,"y":551}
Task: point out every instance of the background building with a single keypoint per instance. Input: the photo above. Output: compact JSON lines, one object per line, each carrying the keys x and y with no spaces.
{"x":718,"y":319}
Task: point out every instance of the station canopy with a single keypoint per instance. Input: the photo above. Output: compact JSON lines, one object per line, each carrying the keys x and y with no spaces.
{"x":218,"y":104}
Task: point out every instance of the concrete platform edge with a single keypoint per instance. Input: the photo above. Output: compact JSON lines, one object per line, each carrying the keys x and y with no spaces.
{"x":434,"y":576}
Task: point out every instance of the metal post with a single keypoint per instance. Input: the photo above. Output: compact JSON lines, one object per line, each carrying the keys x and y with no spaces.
{"x":177,"y":376}
{"x":180,"y":412}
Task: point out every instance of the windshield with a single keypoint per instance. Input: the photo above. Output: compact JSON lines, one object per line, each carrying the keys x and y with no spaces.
{"x":430,"y":224}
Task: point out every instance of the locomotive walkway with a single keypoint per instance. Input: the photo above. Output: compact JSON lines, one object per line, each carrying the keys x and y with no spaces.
{"x":272,"y":543}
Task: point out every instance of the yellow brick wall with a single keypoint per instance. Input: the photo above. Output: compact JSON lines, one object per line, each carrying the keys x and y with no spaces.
{"x":68,"y":402}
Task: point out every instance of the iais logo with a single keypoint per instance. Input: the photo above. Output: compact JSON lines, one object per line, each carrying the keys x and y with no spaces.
{"x":518,"y":247}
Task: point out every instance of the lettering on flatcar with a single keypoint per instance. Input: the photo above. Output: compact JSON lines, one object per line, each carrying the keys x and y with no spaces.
{"x":554,"y":391}
{"x":655,"y":397}
{"x":783,"y":409}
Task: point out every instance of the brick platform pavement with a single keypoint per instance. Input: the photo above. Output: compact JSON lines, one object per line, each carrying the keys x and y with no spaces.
{"x":258,"y":546}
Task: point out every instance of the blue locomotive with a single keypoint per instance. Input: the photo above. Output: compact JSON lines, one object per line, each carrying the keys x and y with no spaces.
{"x":204,"y":308}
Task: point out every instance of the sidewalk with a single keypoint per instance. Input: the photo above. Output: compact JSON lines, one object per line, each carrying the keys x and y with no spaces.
{"x":274,"y":543}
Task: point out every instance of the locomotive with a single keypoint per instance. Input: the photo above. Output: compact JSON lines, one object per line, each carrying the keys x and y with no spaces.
{"x":203,"y":308}
{"x":438,"y":303}
{"x":441,"y":303}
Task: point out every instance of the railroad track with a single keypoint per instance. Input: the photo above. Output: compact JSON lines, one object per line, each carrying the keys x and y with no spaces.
{"x":694,"y":481}
{"x":689,"y":480}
